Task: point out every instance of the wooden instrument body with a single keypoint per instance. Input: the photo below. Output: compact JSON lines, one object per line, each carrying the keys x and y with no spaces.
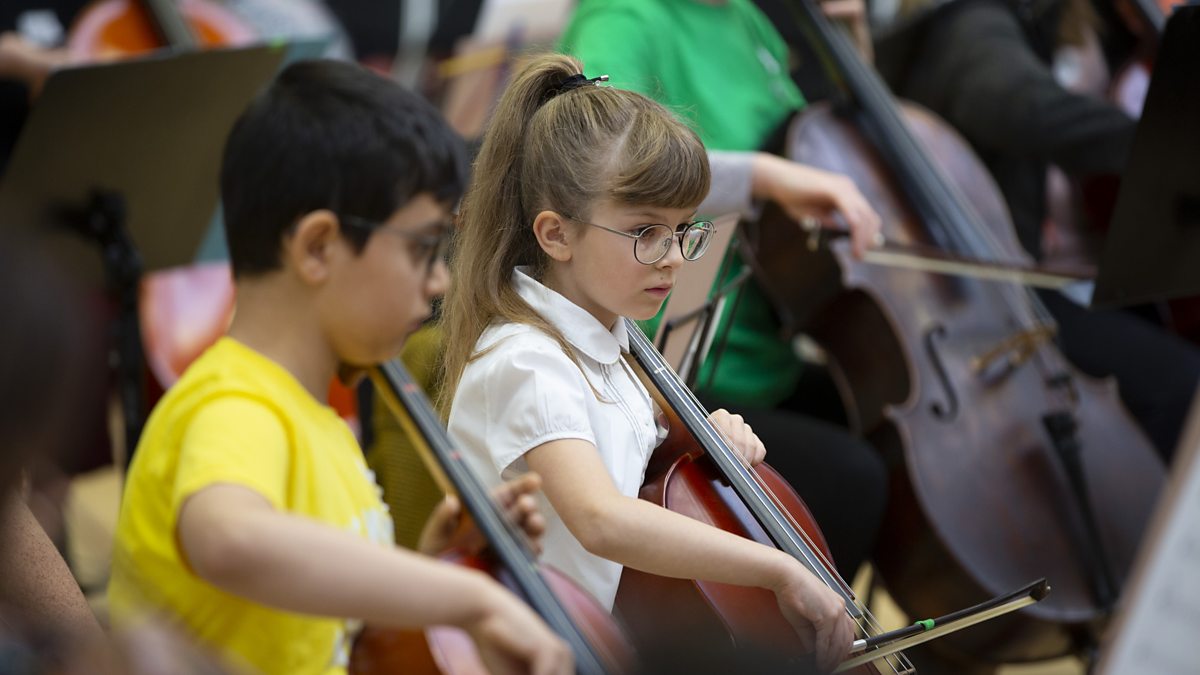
{"x":119,"y":28}
{"x":979,"y":500}
{"x":710,"y":611}
{"x":449,"y":651}
{"x":682,"y":478}
{"x":594,"y":637}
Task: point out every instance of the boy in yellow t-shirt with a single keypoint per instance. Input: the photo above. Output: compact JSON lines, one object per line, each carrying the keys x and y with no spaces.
{"x":249,"y":515}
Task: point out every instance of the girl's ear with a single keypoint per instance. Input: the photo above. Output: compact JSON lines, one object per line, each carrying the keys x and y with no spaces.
{"x":309,"y":248}
{"x":553,"y":234}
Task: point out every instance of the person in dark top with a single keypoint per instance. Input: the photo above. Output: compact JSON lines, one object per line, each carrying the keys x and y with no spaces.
{"x":985,"y":67}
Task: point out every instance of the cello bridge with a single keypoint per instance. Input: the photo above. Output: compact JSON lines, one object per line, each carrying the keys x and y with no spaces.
{"x":1013,"y":351}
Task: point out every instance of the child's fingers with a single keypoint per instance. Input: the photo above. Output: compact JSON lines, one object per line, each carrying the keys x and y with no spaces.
{"x":526,"y":514}
{"x":447,"y":512}
{"x":510,"y":491}
{"x":440,"y":527}
{"x":760,"y":450}
{"x":739,"y":435}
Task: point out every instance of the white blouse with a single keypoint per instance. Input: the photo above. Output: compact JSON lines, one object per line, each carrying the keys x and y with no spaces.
{"x":526,"y":391}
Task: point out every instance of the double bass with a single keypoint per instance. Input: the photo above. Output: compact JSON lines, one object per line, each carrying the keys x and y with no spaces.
{"x":1006,"y":463}
{"x":597,"y":642}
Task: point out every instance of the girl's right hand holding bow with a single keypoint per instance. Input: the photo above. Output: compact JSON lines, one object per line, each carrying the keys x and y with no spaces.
{"x":816,"y":613}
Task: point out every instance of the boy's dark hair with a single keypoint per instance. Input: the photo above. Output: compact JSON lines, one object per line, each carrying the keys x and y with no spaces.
{"x":330,"y":135}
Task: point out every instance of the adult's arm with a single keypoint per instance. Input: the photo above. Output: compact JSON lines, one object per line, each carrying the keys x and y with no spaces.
{"x":977,"y":70}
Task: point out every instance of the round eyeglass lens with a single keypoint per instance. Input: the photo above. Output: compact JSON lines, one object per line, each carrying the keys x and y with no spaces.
{"x":695,"y":240}
{"x":652,"y":244}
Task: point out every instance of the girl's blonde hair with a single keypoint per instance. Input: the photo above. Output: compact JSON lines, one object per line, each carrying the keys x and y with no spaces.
{"x":547,"y":149}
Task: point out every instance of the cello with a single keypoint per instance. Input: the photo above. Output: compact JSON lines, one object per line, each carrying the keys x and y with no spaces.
{"x":695,"y":472}
{"x":596,"y":641}
{"x":1006,"y":463}
{"x":119,"y":28}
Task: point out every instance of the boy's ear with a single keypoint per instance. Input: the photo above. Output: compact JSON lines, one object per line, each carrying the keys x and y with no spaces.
{"x":309,"y":248}
{"x":553,"y":235}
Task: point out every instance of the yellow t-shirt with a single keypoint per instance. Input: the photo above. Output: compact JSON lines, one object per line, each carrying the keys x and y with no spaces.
{"x":237,"y":417}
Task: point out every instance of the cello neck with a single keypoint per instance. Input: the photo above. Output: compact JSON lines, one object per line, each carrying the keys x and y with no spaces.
{"x":1152,"y":15}
{"x":951,"y":223}
{"x":170,"y":24}
{"x":416,"y":415}
{"x":777,"y":525}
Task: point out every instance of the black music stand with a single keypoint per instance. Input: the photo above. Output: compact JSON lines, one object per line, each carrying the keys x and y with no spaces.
{"x":1153,"y":247}
{"x":125,"y":156}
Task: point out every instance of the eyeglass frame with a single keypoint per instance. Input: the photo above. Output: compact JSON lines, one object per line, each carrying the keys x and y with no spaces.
{"x":676,"y":234}
{"x":439,"y":243}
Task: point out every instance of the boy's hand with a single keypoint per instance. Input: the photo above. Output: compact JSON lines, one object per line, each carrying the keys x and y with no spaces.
{"x":449,"y":527}
{"x":806,"y":193}
{"x":512,"y":639}
{"x":740,"y":436}
{"x":818,"y":616}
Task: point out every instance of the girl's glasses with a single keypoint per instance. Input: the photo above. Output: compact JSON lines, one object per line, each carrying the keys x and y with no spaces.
{"x":428,"y":246}
{"x":652,"y":242}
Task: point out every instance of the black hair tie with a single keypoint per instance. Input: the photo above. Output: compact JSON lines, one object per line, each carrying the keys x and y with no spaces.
{"x":573,"y":82}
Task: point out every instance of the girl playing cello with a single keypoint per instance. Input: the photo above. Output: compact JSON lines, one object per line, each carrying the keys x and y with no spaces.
{"x":569,"y":179}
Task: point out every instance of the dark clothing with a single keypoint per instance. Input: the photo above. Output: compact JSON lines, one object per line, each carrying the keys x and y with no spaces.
{"x":984,"y":70}
{"x":974,"y":64}
{"x":374,"y":26}
{"x":1156,"y":371}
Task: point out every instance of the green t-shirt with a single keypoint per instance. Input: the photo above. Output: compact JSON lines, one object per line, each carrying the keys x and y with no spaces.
{"x":724,"y":69}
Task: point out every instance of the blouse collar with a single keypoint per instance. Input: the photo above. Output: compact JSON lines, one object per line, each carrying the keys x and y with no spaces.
{"x":582,"y":330}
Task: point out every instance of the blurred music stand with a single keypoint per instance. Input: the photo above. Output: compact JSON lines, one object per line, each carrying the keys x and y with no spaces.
{"x":1153,"y":253}
{"x":125,"y":156}
{"x":690,"y":313}
{"x":1159,"y":617}
{"x":1153,"y":248}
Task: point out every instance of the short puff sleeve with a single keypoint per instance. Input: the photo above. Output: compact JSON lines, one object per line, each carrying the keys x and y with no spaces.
{"x":533,"y":394}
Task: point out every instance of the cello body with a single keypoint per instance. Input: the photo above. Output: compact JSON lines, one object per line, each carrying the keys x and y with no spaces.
{"x":597,"y":642}
{"x":444,"y":650}
{"x":707,"y":611}
{"x":695,"y":473}
{"x":121,"y":28}
{"x":981,"y":498}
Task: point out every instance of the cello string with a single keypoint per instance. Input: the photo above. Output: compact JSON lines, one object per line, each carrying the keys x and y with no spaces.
{"x":694,"y":418}
{"x":1026,"y":307}
{"x":689,"y":408}
{"x":866,"y":622}
{"x":693,"y":415}
{"x":871,"y":94}
{"x":399,"y":390}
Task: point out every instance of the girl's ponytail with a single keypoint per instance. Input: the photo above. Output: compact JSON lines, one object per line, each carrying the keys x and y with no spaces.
{"x":550,"y":147}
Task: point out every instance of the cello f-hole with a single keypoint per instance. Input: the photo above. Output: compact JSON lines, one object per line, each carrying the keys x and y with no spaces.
{"x":948,"y":409}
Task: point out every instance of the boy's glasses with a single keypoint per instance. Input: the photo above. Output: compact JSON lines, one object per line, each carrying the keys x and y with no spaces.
{"x":652,"y":242}
{"x":428,"y":246}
